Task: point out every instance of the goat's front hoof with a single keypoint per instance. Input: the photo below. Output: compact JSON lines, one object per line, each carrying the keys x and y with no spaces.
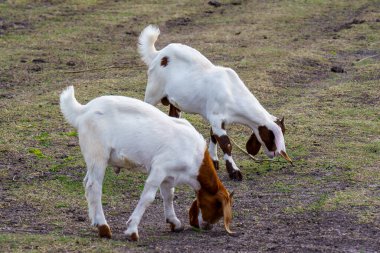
{"x":104,"y":231}
{"x":236,"y":175}
{"x":132,"y":236}
{"x":216,"y":164}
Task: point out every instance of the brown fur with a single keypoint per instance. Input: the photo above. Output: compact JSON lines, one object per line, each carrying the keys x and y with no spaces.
{"x":268,"y":138}
{"x":174,"y":111}
{"x":225,"y":144}
{"x":253,"y":145}
{"x":165,"y":101}
{"x":212,"y":198}
{"x":164,"y":61}
{"x":281,"y":124}
{"x":213,"y":139}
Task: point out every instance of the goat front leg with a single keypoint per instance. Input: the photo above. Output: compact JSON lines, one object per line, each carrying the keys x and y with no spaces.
{"x":147,"y":196}
{"x":224,"y":142}
{"x":167,"y":193}
{"x":213,"y":150}
{"x":93,"y":186}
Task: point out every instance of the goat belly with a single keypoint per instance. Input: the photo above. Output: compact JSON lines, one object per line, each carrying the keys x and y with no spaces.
{"x":119,"y":162}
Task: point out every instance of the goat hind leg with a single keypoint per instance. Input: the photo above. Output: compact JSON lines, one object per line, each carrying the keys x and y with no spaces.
{"x":93,"y":187}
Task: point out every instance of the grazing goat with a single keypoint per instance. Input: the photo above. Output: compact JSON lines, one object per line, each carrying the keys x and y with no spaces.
{"x":117,"y":130}
{"x":183,"y":78}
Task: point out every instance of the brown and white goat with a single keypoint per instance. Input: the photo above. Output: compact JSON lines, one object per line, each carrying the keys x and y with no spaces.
{"x":183,"y":78}
{"x":117,"y":130}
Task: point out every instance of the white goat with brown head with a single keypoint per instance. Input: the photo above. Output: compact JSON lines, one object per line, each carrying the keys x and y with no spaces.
{"x":183,"y":78}
{"x":117,"y":130}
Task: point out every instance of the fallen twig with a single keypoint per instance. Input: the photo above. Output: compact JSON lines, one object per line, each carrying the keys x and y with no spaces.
{"x":254,"y":158}
{"x":365,"y":58}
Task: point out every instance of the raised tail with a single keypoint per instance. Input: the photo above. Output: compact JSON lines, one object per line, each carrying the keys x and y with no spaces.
{"x":70,"y":107}
{"x":147,"y":39}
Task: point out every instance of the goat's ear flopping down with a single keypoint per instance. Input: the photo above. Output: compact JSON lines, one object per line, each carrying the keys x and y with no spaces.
{"x":198,"y":213}
{"x":267,"y":137}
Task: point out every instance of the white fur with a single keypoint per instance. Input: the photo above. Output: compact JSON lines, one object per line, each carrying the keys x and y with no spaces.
{"x":114,"y":130}
{"x":195,"y":85}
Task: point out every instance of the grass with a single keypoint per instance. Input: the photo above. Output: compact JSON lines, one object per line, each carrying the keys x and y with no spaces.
{"x":282,"y":50}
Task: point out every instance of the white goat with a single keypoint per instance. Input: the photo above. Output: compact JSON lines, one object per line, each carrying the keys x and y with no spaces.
{"x":117,"y":130}
{"x":183,"y":78}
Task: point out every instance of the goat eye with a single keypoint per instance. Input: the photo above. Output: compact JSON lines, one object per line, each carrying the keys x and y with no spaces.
{"x":218,"y":204}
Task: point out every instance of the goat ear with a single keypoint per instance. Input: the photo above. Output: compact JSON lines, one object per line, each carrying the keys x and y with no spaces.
{"x":193,"y":214}
{"x":227,"y":214}
{"x":253,"y":145}
{"x":281,"y":124}
{"x":232,"y":194}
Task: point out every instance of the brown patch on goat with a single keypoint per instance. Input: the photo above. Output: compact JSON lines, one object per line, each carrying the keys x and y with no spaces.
{"x":193,"y":214}
{"x":267,"y":137}
{"x":104,"y":231}
{"x":281,"y":124}
{"x":253,"y":145}
{"x":212,"y":198}
{"x":174,"y":111}
{"x":213,"y":140}
{"x":165,"y":101}
{"x":216,"y":164}
{"x":207,"y":176}
{"x":224,"y":143}
{"x":164,"y":61}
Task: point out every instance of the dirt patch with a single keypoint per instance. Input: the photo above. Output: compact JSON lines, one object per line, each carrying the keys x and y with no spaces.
{"x":301,"y":72}
{"x":185,"y":21}
{"x":349,"y":25}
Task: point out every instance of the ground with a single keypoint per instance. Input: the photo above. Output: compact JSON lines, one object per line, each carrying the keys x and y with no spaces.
{"x":315,"y":62}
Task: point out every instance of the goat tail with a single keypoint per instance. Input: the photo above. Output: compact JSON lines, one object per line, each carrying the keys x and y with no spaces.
{"x":70,"y":107}
{"x":147,"y":39}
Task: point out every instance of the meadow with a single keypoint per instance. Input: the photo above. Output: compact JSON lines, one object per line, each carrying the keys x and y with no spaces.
{"x":315,"y":62}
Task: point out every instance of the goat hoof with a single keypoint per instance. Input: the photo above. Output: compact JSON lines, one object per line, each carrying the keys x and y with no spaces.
{"x":134,"y":237}
{"x":236,"y":175}
{"x":173,"y":227}
{"x":104,"y":231}
{"x":216,"y":164}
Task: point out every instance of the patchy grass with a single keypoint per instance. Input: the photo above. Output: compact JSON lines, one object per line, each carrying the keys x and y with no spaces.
{"x":283,"y":51}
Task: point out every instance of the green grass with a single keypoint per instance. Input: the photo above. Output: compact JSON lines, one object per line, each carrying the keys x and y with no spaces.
{"x":282,"y":50}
